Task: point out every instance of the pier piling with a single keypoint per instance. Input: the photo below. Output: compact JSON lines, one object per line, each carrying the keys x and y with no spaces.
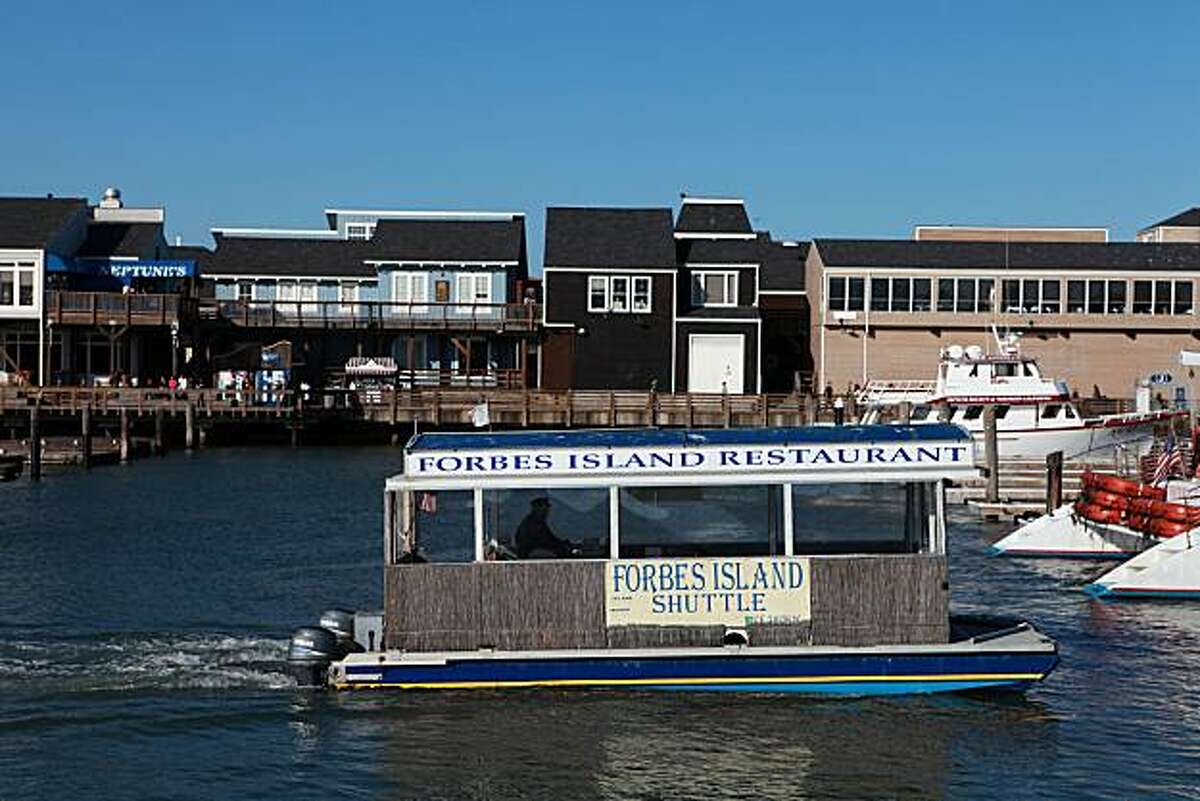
{"x":991,"y":454}
{"x":189,"y":422}
{"x":85,"y":433}
{"x":124,"y":435}
{"x":35,"y":444}
{"x":1054,"y":481}
{"x":160,"y":442}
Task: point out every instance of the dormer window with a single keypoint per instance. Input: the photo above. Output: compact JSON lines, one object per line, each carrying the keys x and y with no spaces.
{"x":360,"y":231}
{"x":714,"y":288}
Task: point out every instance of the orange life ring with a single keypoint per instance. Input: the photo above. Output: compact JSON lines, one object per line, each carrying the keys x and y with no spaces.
{"x":1098,"y":514}
{"x":1168,"y":528}
{"x":1109,"y":500}
{"x":1121,"y":486}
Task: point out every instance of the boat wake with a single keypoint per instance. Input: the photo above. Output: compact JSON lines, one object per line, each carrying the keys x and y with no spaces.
{"x":135,"y":662}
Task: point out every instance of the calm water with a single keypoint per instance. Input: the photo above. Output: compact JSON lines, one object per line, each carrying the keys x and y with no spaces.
{"x":145,"y":610}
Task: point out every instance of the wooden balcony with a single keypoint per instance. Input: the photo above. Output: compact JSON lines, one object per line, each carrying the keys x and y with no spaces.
{"x":385,"y":315}
{"x":115,"y":308}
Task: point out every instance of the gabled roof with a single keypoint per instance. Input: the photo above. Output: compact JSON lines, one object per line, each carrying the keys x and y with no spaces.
{"x":419,"y":240}
{"x":609,"y":237}
{"x":1184,"y":219}
{"x":196,"y":253}
{"x":1014,"y":255}
{"x":722,"y":251}
{"x":712,"y":216}
{"x":242,"y":255}
{"x":120,"y":239}
{"x":33,"y":222}
{"x":782,"y":267}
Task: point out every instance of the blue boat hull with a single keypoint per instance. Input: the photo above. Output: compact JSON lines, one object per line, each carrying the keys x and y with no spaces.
{"x":863,"y":672}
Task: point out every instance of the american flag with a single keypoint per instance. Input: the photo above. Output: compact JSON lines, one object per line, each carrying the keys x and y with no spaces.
{"x":1170,"y":461}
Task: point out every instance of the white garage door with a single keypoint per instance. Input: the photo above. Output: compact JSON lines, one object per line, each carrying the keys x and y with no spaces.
{"x":716,"y":363}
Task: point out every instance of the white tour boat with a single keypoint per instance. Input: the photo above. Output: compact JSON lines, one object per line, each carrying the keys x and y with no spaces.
{"x":1063,"y":533}
{"x":1170,"y":569}
{"x":1034,"y":414}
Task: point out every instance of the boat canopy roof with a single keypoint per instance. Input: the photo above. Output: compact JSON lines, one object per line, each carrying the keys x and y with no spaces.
{"x":812,"y":454}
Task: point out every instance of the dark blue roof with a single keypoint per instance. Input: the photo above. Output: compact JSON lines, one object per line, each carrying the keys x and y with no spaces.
{"x":626,"y":438}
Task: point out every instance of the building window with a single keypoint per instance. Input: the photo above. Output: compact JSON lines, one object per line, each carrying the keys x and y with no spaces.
{"x":1031,"y":296}
{"x":411,"y":288}
{"x":347,"y":296}
{"x":856,"y":300}
{"x":1096,"y":297}
{"x":1051,"y":297}
{"x":245,"y":291}
{"x":901,"y":294}
{"x":1162,"y":297}
{"x":983,"y":294}
{"x":720,"y":288}
{"x":473,"y":289}
{"x":837,"y":293}
{"x":1116,"y":297}
{"x":359,"y":230}
{"x":618,"y":293}
{"x":945,"y":295}
{"x":598,"y":293}
{"x":641,"y":294}
{"x":922,"y":294}
{"x":7,"y":278}
{"x":880,"y":295}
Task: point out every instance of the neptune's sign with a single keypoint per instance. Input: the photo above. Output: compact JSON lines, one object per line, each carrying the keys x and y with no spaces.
{"x":160,"y":268}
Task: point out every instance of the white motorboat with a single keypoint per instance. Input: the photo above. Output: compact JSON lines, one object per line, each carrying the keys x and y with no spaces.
{"x":1035,"y":415}
{"x":1171,"y":569}
{"x":1062,"y":533}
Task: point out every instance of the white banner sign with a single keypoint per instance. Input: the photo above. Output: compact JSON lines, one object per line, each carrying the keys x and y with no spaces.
{"x":694,"y":592}
{"x":706,"y":459}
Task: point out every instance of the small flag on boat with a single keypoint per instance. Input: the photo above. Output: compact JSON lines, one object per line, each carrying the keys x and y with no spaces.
{"x":480,"y":418}
{"x":1170,"y":461}
{"x":428,"y":503}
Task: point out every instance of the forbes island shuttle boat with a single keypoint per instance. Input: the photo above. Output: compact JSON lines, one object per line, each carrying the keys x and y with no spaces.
{"x":806,"y":560}
{"x":1035,"y":415}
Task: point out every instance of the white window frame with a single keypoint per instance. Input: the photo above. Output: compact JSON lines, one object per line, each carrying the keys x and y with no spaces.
{"x":348,"y":296}
{"x":626,"y":293}
{"x":729,"y":286}
{"x":367,"y":230}
{"x":472,"y":289}
{"x":416,"y":291}
{"x":257,"y":290}
{"x":648,"y":283}
{"x":308,"y":294}
{"x":597,"y":282}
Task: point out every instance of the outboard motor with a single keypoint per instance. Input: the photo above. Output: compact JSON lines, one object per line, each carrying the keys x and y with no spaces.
{"x":310,"y":654}
{"x":341,"y":623}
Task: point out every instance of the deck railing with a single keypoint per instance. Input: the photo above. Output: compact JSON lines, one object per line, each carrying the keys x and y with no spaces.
{"x":425,"y":315}
{"x":115,"y":308}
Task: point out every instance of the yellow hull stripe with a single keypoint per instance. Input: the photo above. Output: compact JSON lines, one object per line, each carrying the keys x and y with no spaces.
{"x":496,"y":685}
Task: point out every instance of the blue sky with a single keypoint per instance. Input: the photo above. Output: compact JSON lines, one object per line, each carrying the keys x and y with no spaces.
{"x":852,"y":119}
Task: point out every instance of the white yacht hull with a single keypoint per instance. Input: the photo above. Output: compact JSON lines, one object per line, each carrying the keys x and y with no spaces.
{"x":1064,"y":534}
{"x":1170,"y":569}
{"x":1088,"y":436}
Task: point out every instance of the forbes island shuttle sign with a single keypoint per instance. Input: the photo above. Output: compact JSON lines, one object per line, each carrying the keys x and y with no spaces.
{"x":710,"y":591}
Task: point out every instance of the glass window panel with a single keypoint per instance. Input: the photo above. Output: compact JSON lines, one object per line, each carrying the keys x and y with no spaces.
{"x":7,"y":282}
{"x":879,"y":512}
{"x":1095,"y":297}
{"x":879,"y":294}
{"x":901,"y":300}
{"x":701,"y":521}
{"x":1142,"y":291}
{"x":857,"y":288}
{"x":444,"y":525}
{"x":984,"y":295}
{"x":598,"y":293}
{"x":545,"y":523}
{"x":945,"y":295}
{"x":1011,"y":290}
{"x":641,"y":294}
{"x":1031,"y":298}
{"x":966,"y":295}
{"x":922,"y":289}
{"x":837,"y":293}
{"x":1162,"y":297}
{"x":1116,"y":297}
{"x":1183,"y":297}
{"x":1076,"y":294}
{"x":1051,"y":300}
{"x":618,"y":297}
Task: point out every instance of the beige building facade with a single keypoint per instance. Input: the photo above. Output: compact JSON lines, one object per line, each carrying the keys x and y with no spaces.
{"x":1102,"y":316}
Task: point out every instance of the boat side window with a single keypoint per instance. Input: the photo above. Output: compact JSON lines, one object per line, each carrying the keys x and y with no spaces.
{"x":1051,"y":411}
{"x":698,"y":521}
{"x":887,"y":518}
{"x":545,"y":523}
{"x":1005,"y":370}
{"x":443,"y":527}
{"x":973,"y":413}
{"x":919,"y":412}
{"x":1030,"y":372}
{"x":1071,"y":413}
{"x":1002,"y":411}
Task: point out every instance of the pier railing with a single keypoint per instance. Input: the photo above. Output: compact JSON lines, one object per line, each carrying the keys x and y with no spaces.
{"x":116,"y":308}
{"x":436,"y":406}
{"x":396,"y":315}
